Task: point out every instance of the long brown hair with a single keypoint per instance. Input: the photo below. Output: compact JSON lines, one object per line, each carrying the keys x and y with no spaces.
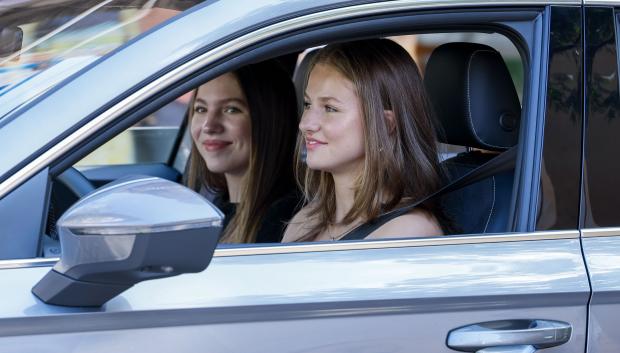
{"x":273,"y":112}
{"x":400,"y":166}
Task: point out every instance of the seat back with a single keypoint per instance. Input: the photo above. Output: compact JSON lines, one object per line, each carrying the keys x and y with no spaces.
{"x":477,"y":106}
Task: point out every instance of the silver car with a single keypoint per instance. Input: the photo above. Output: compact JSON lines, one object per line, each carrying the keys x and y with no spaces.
{"x":96,"y":259}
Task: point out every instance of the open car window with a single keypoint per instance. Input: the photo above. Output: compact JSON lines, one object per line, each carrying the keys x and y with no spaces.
{"x":483,"y":207}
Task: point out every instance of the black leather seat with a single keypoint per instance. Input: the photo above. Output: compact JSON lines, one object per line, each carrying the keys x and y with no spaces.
{"x":476,"y":103}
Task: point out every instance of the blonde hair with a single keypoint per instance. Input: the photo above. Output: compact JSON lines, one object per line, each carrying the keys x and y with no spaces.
{"x":400,"y":166}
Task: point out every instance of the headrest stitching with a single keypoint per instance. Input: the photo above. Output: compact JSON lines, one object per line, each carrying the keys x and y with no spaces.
{"x":469,"y":115}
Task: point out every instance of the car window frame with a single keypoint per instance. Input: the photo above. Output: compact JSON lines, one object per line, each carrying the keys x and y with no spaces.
{"x":214,"y":70}
{"x":264,"y":49}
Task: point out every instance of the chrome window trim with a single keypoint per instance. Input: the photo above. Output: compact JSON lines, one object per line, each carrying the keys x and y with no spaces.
{"x":600,"y":232}
{"x":28,"y":263}
{"x":397,"y":243}
{"x":602,"y":2}
{"x":292,"y":248}
{"x":246,"y":40}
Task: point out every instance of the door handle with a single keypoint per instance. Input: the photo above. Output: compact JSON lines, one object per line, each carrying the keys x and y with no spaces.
{"x":509,"y":336}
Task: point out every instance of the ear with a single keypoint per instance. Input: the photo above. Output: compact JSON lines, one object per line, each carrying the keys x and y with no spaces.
{"x":391,"y":121}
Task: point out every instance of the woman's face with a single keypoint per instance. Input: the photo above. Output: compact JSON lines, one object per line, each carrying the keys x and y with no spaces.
{"x":221,"y":127}
{"x":332,"y":122}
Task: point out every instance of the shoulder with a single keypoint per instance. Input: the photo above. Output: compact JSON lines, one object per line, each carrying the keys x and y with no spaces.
{"x":417,"y":223}
{"x":297,"y":226}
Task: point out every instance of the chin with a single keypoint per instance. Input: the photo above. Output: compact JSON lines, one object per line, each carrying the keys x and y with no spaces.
{"x":320,"y":167}
{"x":215,"y":166}
{"x":217,"y":170}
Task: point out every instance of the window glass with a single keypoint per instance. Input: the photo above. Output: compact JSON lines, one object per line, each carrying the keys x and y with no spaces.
{"x":602,"y":196}
{"x":52,"y":40}
{"x":151,"y":140}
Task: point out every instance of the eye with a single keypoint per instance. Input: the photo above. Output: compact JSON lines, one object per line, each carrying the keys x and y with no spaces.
{"x":306,"y":105}
{"x":330,"y":109}
{"x":200,"y":109}
{"x":231,"y":110}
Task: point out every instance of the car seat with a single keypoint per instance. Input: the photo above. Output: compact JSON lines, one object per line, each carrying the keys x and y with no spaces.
{"x":477,"y":106}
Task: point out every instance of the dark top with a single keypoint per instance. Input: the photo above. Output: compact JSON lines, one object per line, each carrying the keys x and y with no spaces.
{"x":275,"y":220}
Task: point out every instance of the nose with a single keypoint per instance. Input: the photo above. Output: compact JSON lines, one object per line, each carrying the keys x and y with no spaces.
{"x":212,"y":123}
{"x":310,"y":122}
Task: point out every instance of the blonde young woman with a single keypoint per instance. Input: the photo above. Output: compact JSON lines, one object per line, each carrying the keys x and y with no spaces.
{"x":243,"y":128}
{"x":371,"y":145}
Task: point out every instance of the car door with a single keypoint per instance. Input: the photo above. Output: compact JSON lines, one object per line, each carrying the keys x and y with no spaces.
{"x":601,"y":241}
{"x":410,"y":295}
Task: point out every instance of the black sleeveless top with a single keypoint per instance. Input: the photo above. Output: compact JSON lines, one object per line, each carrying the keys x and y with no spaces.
{"x":273,"y":224}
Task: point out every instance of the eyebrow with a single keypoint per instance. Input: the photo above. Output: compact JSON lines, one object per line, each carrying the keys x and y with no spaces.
{"x":238,"y":100}
{"x":326,"y":98}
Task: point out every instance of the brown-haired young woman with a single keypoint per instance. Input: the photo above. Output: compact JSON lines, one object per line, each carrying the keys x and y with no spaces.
{"x":243,"y":129}
{"x":371,"y":144}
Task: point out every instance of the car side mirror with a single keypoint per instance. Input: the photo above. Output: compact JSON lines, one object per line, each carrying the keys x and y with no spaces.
{"x":10,"y":40}
{"x":126,"y":232}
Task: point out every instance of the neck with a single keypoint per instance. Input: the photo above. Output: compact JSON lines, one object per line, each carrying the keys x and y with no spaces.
{"x":233,"y":183}
{"x":345,"y":195}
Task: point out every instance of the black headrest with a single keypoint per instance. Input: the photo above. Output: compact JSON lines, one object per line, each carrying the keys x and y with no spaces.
{"x":473,"y":96}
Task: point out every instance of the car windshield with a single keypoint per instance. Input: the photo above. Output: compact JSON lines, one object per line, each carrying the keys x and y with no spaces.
{"x":44,"y":42}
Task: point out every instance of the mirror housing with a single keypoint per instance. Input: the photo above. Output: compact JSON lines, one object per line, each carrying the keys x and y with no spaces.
{"x":126,"y":232}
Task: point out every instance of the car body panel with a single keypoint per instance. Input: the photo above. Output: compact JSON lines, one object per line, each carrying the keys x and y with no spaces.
{"x":601,"y":195}
{"x":603,"y":260}
{"x":352,"y":296}
{"x":20,"y":238}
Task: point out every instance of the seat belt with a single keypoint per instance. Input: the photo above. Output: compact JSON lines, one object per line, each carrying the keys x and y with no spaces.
{"x":503,"y":162}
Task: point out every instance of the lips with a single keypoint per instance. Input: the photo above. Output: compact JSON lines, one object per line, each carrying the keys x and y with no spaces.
{"x":312,"y":143}
{"x":215,"y":145}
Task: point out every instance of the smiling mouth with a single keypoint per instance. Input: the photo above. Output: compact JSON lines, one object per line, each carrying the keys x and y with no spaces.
{"x":312,"y":144}
{"x":212,"y":146}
